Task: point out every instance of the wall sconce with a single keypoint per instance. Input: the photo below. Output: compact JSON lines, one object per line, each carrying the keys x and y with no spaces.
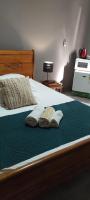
{"x":48,"y":67}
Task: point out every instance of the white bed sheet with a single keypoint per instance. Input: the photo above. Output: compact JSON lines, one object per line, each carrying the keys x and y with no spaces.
{"x":47,"y":97}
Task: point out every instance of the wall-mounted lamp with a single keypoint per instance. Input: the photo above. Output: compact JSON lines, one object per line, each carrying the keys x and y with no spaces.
{"x":47,"y":67}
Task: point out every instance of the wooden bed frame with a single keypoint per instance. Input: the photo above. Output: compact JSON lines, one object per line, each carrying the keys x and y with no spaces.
{"x":21,"y":62}
{"x":32,"y":180}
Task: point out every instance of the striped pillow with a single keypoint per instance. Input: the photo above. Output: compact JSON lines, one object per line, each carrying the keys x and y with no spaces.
{"x":16,"y":92}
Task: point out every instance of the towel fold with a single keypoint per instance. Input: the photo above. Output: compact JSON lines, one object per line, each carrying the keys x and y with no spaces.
{"x":56,"y":118}
{"x":33,"y":118}
{"x":46,"y":116}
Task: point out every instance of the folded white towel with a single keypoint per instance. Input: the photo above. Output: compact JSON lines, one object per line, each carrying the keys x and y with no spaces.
{"x":46,"y":116}
{"x":56,"y":118}
{"x":33,"y":118}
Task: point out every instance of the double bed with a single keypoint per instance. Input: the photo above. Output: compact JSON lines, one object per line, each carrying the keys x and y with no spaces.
{"x":35,"y":159}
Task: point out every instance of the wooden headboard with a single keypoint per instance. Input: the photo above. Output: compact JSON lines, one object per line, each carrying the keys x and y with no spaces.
{"x":17,"y":61}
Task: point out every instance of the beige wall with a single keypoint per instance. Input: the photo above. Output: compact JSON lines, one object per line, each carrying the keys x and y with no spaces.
{"x":43,"y":25}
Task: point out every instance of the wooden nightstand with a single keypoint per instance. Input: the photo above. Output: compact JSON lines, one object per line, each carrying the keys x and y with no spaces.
{"x":54,"y":85}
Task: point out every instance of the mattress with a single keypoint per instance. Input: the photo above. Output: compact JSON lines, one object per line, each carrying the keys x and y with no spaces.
{"x":46,"y":97}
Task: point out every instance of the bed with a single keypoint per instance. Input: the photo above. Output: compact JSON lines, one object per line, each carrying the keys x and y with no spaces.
{"x":30,"y":177}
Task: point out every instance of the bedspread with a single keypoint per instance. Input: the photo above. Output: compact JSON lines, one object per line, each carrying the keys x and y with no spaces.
{"x":19,"y":142}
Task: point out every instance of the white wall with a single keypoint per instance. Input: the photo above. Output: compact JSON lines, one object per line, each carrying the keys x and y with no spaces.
{"x":43,"y":25}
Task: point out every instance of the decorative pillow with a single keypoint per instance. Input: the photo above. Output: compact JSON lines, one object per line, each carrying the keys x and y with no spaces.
{"x":16,"y":92}
{"x":5,"y":76}
{"x":1,"y":103}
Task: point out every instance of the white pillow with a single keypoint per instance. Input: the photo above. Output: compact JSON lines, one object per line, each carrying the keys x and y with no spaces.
{"x":6,"y":76}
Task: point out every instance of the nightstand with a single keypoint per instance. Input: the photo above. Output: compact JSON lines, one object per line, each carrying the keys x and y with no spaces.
{"x":54,"y":85}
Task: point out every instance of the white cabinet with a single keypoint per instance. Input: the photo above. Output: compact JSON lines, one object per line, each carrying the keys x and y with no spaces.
{"x":81,"y":81}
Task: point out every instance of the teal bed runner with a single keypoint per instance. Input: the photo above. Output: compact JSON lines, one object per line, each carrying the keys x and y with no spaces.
{"x":19,"y":142}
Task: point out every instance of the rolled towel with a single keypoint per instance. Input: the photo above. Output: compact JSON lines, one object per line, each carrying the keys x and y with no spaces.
{"x":46,"y":116}
{"x":33,"y":118}
{"x":56,"y":118}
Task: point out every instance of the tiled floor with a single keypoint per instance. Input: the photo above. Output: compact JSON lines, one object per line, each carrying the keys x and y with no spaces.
{"x":81,"y":99}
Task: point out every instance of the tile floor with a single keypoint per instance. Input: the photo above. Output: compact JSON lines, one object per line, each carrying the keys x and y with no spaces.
{"x":81,"y":99}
